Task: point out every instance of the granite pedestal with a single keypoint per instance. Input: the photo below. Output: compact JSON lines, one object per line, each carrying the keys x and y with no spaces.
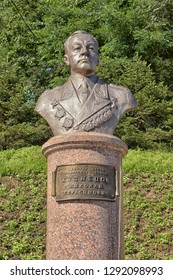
{"x":84,"y":229}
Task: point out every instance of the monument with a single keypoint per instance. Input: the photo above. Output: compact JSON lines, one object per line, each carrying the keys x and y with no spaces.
{"x":85,"y":194}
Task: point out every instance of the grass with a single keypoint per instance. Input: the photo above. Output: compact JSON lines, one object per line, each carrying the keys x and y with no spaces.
{"x":22,"y":204}
{"x":148,"y":201}
{"x":148,"y":204}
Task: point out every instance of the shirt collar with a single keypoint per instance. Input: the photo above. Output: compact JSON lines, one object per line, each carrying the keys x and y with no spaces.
{"x":77,"y":80}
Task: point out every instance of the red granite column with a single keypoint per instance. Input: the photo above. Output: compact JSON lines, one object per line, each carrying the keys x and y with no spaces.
{"x":85,"y":229}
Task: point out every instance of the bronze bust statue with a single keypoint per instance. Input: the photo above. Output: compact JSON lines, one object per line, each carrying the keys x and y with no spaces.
{"x":84,"y":102}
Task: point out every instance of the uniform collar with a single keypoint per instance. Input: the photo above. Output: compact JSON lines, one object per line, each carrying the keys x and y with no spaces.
{"x":77,"y":80}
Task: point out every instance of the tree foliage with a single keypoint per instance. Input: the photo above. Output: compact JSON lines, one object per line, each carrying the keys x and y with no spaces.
{"x":136,"y":50}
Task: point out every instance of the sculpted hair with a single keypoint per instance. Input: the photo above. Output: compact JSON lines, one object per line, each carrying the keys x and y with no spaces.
{"x":79,"y":32}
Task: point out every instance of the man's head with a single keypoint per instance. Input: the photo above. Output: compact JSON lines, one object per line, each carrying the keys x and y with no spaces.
{"x":81,"y":53}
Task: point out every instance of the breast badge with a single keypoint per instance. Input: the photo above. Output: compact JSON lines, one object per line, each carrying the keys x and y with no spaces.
{"x":60,"y":112}
{"x":68,"y":123}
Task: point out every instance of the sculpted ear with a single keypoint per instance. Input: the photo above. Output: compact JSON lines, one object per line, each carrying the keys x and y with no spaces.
{"x":66,"y":59}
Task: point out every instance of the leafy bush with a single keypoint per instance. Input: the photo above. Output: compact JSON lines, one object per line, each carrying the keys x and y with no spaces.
{"x":136,"y":47}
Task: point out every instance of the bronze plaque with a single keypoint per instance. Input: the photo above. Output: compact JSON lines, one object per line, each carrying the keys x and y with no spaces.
{"x":84,"y":181}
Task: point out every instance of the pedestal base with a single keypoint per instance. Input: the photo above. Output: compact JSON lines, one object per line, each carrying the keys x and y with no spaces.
{"x":84,"y":229}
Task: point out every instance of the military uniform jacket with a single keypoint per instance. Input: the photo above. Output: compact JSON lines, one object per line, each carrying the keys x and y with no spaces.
{"x":101,"y":112}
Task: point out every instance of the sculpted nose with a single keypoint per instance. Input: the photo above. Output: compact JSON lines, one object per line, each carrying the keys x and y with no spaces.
{"x":84,"y":50}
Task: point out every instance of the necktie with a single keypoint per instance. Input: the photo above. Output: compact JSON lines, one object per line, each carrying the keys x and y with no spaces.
{"x":83,"y":91}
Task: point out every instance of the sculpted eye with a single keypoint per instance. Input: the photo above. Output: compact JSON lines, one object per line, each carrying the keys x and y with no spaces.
{"x":77,"y":48}
{"x":92,"y":48}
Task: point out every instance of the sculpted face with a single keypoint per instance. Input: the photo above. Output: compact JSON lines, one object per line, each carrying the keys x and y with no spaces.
{"x":82,"y":54}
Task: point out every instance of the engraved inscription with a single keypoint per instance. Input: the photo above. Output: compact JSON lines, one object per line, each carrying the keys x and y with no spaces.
{"x":85,"y":181}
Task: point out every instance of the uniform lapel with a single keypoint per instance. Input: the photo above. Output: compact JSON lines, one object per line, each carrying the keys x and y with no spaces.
{"x":69,"y":100}
{"x":97,"y":100}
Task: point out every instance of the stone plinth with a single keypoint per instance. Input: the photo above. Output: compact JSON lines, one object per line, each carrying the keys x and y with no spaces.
{"x":85,"y":229}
